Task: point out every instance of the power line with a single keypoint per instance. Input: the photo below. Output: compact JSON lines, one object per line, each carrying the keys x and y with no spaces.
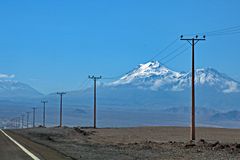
{"x":224,"y":34}
{"x":219,"y":32}
{"x":180,"y":53}
{"x":84,"y":83}
{"x":228,"y":29}
{"x":168,"y":55}
{"x":83,"y":92}
{"x":171,"y":53}
{"x":163,"y":50}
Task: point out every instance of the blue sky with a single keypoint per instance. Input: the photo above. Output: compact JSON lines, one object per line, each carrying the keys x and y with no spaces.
{"x":54,"y":45}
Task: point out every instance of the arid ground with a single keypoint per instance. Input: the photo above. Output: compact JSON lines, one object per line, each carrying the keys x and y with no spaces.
{"x":153,"y":143}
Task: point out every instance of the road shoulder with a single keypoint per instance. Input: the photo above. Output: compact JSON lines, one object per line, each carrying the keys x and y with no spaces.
{"x":41,"y":151}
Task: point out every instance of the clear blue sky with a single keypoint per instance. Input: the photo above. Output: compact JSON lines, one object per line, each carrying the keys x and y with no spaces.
{"x":54,"y":45}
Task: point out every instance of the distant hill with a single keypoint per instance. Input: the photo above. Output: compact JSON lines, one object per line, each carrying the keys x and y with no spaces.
{"x":231,"y":115}
{"x":10,"y":89}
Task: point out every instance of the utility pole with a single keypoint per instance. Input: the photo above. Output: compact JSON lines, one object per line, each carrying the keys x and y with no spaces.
{"x":16,"y":122}
{"x":95,"y":97}
{"x":34,"y":109}
{"x":12,"y":123}
{"x":44,"y":111}
{"x":27,"y":118}
{"x":61,"y":95}
{"x":193,"y":41}
{"x":22,"y":120}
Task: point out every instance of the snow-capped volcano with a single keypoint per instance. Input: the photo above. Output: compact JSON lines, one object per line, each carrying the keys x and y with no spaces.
{"x":154,"y":76}
{"x":146,"y":73}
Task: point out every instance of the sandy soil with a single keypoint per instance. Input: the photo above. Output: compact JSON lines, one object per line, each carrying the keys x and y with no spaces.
{"x":139,"y":143}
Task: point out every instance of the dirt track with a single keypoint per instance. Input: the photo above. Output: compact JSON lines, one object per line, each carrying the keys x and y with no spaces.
{"x":139,"y":143}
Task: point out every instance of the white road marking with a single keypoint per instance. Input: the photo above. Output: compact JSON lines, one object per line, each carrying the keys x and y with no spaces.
{"x":20,"y":146}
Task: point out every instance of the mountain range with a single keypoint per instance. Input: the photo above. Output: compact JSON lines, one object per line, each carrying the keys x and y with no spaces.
{"x":150,"y":84}
{"x":14,"y":89}
{"x":155,"y":76}
{"x":150,"y":87}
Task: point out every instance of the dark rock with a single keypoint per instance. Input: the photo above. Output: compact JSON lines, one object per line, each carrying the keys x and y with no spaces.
{"x":215,"y":144}
{"x":202,"y":141}
{"x":81,"y":131}
{"x":219,"y":146}
{"x":226,"y":146}
{"x":238,"y":146}
{"x":50,"y":139}
{"x":190,"y":145}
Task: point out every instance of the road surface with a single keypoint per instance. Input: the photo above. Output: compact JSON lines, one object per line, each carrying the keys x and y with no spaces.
{"x":15,"y":147}
{"x":9,"y":150}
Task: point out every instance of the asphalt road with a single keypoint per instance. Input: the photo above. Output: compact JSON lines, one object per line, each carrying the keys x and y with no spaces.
{"x":11,"y":151}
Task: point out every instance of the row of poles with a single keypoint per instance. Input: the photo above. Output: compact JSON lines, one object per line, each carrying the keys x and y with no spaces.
{"x":17,"y":123}
{"x":193,"y":41}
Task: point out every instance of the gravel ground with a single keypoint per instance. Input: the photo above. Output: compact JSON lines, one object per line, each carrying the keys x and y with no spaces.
{"x":138,"y":143}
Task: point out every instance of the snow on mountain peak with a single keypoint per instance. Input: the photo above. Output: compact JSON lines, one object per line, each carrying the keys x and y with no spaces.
{"x":155,"y":76}
{"x":12,"y":88}
{"x":6,"y":76}
{"x":207,"y":75}
{"x":150,"y":68}
{"x":146,"y":72}
{"x":149,"y":65}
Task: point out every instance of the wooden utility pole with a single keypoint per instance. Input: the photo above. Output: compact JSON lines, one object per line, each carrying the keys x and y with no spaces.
{"x":193,"y":41}
{"x":19,"y":122}
{"x":61,"y":95}
{"x":95,"y":98}
{"x":22,"y":120}
{"x":16,"y":122}
{"x":27,"y":118}
{"x":44,"y":112}
{"x":34,"y":110}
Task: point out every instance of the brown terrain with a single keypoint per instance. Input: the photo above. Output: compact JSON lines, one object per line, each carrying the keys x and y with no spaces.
{"x":153,"y":143}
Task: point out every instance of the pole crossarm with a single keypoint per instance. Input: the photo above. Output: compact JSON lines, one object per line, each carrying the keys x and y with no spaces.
{"x":61,"y":93}
{"x":197,"y":39}
{"x":94,"y":77}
